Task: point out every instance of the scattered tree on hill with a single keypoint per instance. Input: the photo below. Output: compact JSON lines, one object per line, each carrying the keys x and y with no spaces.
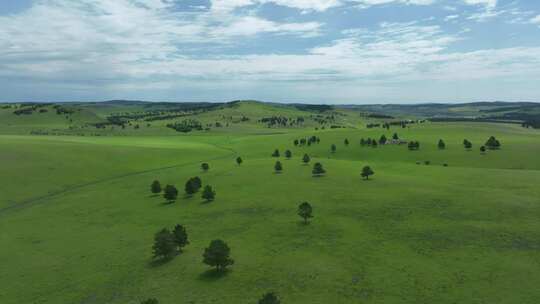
{"x":374,"y":144}
{"x":180,"y":236}
{"x":269,"y":298}
{"x":296,"y":142}
{"x":395,"y":136}
{"x":155,"y":187}
{"x":150,"y":301}
{"x":362,"y":141}
{"x":333,"y":148}
{"x":483,"y":149}
{"x":346,"y":142}
{"x":367,"y":172}
{"x":205,"y":166}
{"x":218,"y":255}
{"x":193,"y":185}
{"x":208,"y":193}
{"x":239,"y":160}
{"x":467,"y":144}
{"x":278,"y":167}
{"x":306,"y":159}
{"x":318,"y":169}
{"x":414,"y":145}
{"x":305,"y":211}
{"x":276,"y":153}
{"x":288,"y":154}
{"x":170,"y":193}
{"x":382,"y":140}
{"x":441,"y":144}
{"x":492,"y":143}
{"x":164,"y":246}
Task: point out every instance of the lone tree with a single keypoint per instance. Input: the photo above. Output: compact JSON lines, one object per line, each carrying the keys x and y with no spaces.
{"x":367,"y":172}
{"x":492,"y":143}
{"x":346,"y":142}
{"x":150,"y":301}
{"x":205,"y":167}
{"x":395,"y":136}
{"x":467,"y":144}
{"x":305,"y":211}
{"x":333,"y":148}
{"x":382,"y":140}
{"x":170,"y":193}
{"x":296,"y":142}
{"x":318,"y":169}
{"x":482,"y":149}
{"x":180,"y":237}
{"x":164,"y":246}
{"x":414,"y":145}
{"x":208,"y":193}
{"x":155,"y":187}
{"x":239,"y":160}
{"x":193,"y":185}
{"x":276,"y":153}
{"x":306,"y":159}
{"x":278,"y":167}
{"x":269,"y":298}
{"x":288,"y":154}
{"x":441,"y":144}
{"x":217,"y":255}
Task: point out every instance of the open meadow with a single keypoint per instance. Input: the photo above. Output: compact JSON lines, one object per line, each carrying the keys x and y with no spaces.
{"x":432,"y":224}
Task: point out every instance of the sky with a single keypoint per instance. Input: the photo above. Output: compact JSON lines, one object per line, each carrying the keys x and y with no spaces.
{"x":309,"y":51}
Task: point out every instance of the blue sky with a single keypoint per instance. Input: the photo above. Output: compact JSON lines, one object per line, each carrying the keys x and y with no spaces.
{"x":313,"y":51}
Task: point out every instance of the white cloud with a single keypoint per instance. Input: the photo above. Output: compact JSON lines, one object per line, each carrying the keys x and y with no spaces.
{"x":487,"y":3}
{"x":536,"y":20}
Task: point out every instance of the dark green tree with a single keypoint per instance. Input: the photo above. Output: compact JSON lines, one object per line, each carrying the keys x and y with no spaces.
{"x":150,"y":301}
{"x":180,"y":236}
{"x":483,"y":149}
{"x":362,"y":141}
{"x":193,"y":185}
{"x":441,"y":145}
{"x":218,"y":255}
{"x":164,"y":246}
{"x":278,"y":167}
{"x":305,"y":211}
{"x":346,"y":142}
{"x":318,"y":169}
{"x":413,"y":145}
{"x":492,"y":143}
{"x":269,"y":298}
{"x":155,"y":187}
{"x":367,"y":172}
{"x":239,"y":160}
{"x":382,"y":140}
{"x":276,"y":153}
{"x":170,"y":193}
{"x":306,"y":159}
{"x":296,"y":142}
{"x":205,"y":167}
{"x":333,"y":148}
{"x":374,"y":143}
{"x":395,"y":136}
{"x":208,"y":193}
{"x":288,"y":154}
{"x":467,"y":144}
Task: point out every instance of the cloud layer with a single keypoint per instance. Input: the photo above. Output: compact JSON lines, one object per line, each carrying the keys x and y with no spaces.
{"x":96,"y":49}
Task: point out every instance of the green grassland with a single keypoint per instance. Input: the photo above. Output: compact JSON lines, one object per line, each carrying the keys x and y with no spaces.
{"x":77,"y":218}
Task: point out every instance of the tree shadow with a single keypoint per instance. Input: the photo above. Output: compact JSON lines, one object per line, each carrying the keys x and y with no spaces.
{"x":303,"y":223}
{"x":166,"y":203}
{"x":161,"y":261}
{"x":212,"y":275}
{"x":154,"y":195}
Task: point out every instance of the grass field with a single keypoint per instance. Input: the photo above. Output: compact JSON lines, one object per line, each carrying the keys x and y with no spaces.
{"x":77,"y":218}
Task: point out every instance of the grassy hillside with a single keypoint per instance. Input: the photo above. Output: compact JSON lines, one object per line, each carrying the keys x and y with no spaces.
{"x":78,"y":219}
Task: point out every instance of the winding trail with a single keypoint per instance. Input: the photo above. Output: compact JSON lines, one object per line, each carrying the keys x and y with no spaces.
{"x":44,"y":198}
